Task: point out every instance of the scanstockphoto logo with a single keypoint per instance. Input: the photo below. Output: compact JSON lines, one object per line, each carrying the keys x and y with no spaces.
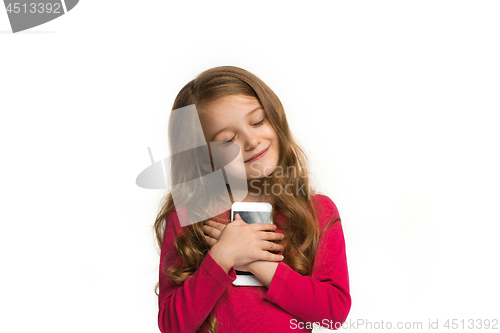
{"x":24,"y":15}
{"x":198,"y":192}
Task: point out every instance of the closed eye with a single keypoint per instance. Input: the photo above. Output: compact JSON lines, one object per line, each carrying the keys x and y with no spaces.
{"x":256,"y":124}
{"x":259,"y":123}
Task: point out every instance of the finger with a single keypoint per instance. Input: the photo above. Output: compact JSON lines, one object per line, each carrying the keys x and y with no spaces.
{"x":208,"y":230}
{"x":268,"y":256}
{"x":269,"y":246}
{"x":210,"y":240}
{"x":272,"y":236}
{"x":238,"y":220}
{"x":212,"y":232}
{"x":264,"y":226}
{"x":216,"y":225}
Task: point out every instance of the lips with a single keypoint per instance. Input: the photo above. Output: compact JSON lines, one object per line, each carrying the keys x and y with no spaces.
{"x":257,"y":155}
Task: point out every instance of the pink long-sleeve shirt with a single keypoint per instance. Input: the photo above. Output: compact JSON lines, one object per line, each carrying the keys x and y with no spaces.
{"x":292,"y":303}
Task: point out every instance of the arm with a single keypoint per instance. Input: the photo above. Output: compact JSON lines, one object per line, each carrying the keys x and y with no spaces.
{"x":326,"y":294}
{"x":264,"y":271}
{"x":184,"y":308}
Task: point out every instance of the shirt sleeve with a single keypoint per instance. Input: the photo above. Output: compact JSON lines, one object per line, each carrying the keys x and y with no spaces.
{"x":184,"y":308}
{"x":325,"y":295}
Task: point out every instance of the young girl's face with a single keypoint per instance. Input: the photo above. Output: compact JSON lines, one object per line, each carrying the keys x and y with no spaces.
{"x":241,"y":120}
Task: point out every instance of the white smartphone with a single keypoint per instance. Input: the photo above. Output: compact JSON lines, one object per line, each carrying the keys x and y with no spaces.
{"x":250,"y":212}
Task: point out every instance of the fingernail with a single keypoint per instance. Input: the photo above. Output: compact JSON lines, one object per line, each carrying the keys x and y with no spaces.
{"x":237,"y":216}
{"x":281,"y":257}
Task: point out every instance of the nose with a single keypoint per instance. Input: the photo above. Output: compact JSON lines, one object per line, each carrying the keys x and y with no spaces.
{"x":251,"y":141}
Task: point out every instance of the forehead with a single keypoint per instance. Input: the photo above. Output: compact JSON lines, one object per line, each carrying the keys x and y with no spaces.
{"x":234,"y":105}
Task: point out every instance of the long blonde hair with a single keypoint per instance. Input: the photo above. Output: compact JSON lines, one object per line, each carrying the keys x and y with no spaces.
{"x":301,"y":229}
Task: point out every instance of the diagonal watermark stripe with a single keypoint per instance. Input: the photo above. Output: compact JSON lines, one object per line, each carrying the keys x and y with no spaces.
{"x":198,"y":191}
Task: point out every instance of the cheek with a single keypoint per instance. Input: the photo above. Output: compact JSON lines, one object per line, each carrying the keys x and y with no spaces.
{"x":270,"y":133}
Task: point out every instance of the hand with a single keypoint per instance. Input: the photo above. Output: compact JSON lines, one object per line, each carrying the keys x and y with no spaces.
{"x":238,"y":244}
{"x":212,"y":231}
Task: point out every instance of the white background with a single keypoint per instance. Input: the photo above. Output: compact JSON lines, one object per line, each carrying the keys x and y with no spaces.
{"x":396,"y":104}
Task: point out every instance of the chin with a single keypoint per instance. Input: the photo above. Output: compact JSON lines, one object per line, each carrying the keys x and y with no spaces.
{"x":263,"y":171}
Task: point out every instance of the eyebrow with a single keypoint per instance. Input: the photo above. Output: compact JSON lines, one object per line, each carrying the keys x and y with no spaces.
{"x":223,"y":129}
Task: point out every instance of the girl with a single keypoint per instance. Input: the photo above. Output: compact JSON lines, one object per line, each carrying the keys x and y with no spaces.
{"x":308,"y":285}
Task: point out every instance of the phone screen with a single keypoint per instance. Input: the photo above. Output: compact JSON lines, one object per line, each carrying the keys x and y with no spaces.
{"x":251,"y":217}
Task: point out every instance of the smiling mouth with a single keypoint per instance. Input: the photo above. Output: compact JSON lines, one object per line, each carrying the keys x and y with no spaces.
{"x":259,"y":155}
